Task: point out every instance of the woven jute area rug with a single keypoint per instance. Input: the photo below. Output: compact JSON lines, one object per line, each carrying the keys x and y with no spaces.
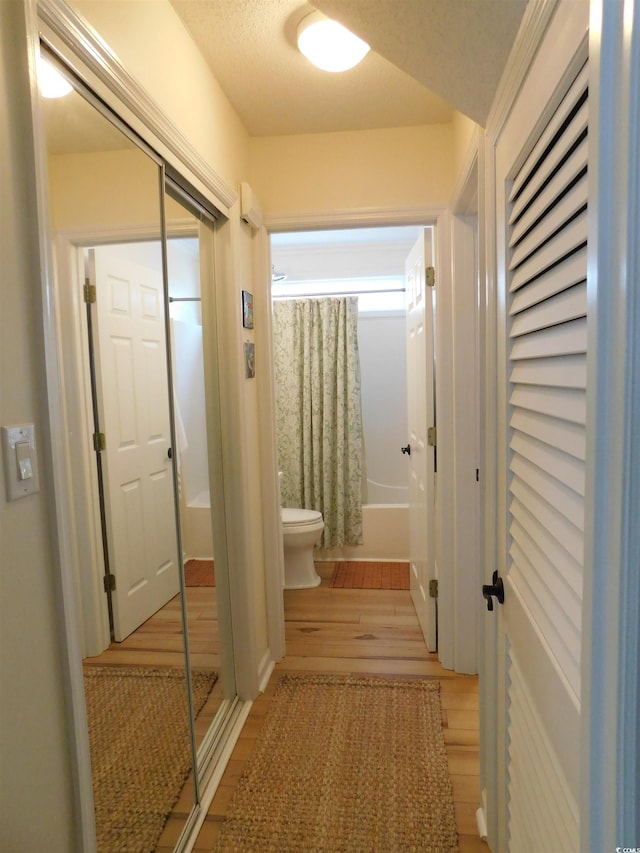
{"x":345,"y":764}
{"x":140,"y":749}
{"x":365,"y":574}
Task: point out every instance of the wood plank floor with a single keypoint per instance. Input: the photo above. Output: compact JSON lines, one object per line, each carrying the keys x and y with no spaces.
{"x":363,"y":631}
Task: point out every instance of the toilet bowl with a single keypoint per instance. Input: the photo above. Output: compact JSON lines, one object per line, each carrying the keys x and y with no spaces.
{"x":301,"y":529}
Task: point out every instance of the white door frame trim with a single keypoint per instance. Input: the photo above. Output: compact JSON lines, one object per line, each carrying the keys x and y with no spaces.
{"x":611,"y":635}
{"x":271,"y":520}
{"x":465,"y":328}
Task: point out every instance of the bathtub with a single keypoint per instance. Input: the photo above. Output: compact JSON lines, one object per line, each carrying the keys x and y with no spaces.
{"x":196,"y":528}
{"x":381,"y":494}
{"x":385,"y":529}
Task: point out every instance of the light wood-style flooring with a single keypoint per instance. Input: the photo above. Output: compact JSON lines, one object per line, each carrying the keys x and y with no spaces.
{"x":362,"y":631}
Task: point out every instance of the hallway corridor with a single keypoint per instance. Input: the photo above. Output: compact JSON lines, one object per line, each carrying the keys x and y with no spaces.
{"x":360,"y":631}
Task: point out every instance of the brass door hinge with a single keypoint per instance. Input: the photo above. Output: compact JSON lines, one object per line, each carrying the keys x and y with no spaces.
{"x":433,"y":589}
{"x":432,"y":437}
{"x":99,"y":442}
{"x":89,"y":292}
{"x":109,"y":583}
{"x":431,"y":276}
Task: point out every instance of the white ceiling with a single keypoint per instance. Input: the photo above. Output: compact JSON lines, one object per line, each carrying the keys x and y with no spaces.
{"x":427,"y":57}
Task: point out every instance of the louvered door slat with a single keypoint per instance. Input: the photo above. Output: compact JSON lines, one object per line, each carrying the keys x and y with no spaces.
{"x":566,"y":405}
{"x":528,"y":209}
{"x":567,"y":525}
{"x":567,"y":469}
{"x":574,"y":99}
{"x":567,"y":530}
{"x":554,"y":553}
{"x":550,"y":585}
{"x":558,"y":175}
{"x":567,"y":305}
{"x":568,"y":338}
{"x":567,"y":372}
{"x":567,"y":273}
{"x":563,"y":210}
{"x":573,"y":237}
{"x":540,"y":604}
{"x":562,"y":434}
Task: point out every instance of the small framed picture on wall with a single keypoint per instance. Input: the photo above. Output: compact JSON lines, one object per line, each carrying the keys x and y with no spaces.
{"x":249,"y":359}
{"x":247,"y":309}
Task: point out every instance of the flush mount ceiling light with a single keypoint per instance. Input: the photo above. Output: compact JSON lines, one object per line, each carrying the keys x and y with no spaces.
{"x":50,"y":81}
{"x":329,"y":45}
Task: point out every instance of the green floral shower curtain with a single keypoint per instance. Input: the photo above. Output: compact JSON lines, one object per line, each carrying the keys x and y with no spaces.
{"x":319,"y":412}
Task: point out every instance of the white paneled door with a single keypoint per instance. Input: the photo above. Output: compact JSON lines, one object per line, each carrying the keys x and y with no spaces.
{"x":542,"y":225}
{"x":421,"y":417}
{"x":133,"y":403}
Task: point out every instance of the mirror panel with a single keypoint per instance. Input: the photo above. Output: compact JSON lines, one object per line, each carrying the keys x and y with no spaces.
{"x":105,"y":216}
{"x":206,"y":593}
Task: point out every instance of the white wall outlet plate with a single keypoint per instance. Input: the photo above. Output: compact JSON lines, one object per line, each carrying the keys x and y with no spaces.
{"x":20,"y":461}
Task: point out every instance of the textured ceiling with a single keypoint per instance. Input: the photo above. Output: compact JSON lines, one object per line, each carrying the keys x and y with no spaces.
{"x":456,"y":47}
{"x":427,"y":57}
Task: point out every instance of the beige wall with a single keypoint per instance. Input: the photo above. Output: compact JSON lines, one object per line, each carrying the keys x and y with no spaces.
{"x":462,"y":130}
{"x":36,"y":802}
{"x":396,"y":167}
{"x":103,"y":190}
{"x":152,"y":44}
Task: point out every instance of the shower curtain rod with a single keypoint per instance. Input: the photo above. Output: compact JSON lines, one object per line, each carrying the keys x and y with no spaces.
{"x":184,"y":299}
{"x":342,"y":293}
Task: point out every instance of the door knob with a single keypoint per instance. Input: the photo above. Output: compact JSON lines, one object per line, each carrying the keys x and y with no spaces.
{"x":496,"y":587}
{"x":406,"y":449}
{"x":170,"y":453}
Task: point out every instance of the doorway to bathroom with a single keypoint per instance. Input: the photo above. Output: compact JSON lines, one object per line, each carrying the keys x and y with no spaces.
{"x":372,"y":264}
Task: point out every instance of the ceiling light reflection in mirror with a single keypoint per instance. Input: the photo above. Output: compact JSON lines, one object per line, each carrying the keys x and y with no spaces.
{"x":50,"y":81}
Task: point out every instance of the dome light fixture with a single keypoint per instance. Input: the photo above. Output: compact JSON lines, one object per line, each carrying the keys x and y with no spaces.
{"x":329,"y":45}
{"x":50,"y":81}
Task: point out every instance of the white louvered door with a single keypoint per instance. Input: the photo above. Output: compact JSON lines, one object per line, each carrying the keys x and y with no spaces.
{"x":544,"y":352}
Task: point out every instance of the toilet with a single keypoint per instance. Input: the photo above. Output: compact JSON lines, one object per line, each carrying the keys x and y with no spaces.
{"x":301,"y":529}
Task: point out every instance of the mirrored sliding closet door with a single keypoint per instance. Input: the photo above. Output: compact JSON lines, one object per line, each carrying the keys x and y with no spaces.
{"x":135,"y":296}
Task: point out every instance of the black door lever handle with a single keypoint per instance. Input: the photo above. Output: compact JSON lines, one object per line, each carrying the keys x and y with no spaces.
{"x":496,"y":587}
{"x":406,"y":449}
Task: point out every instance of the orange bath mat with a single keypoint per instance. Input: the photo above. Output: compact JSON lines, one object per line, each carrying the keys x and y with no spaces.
{"x":199,"y":573}
{"x":351,"y":574}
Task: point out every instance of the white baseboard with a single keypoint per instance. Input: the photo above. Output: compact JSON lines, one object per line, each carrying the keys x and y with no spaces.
{"x":264,"y":671}
{"x":481,"y":821}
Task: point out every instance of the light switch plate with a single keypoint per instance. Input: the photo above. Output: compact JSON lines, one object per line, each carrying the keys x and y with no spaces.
{"x":24,"y":436}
